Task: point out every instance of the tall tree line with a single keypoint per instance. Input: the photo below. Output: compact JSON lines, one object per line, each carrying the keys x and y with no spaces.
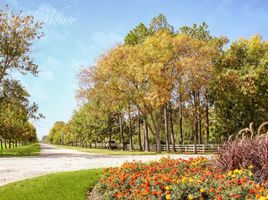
{"x":17,"y":34}
{"x":171,"y":87}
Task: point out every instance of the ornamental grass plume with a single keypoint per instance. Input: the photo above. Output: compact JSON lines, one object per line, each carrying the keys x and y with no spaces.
{"x":247,"y":149}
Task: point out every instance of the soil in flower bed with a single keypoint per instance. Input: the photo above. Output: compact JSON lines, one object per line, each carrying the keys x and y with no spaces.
{"x":94,"y":195}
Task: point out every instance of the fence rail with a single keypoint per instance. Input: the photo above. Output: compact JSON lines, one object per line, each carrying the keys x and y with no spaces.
{"x":186,"y":147}
{"x":179,"y":148}
{"x":191,"y":148}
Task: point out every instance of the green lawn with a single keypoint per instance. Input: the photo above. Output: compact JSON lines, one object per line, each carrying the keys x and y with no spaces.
{"x":108,"y":152}
{"x":58,"y":186}
{"x":28,"y":150}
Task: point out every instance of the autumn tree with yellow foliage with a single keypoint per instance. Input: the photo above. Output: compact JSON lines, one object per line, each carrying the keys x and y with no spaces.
{"x":172,"y":87}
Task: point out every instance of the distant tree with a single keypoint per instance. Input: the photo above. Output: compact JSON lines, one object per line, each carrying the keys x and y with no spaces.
{"x":137,"y":35}
{"x":56,"y":133}
{"x":44,"y":139}
{"x":159,"y":23}
{"x":200,"y":32}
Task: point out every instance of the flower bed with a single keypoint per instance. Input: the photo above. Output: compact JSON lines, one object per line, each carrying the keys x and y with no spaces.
{"x":180,"y":179}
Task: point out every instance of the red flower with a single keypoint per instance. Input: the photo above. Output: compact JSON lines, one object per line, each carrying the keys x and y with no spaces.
{"x":252,"y":191}
{"x":147,"y":183}
{"x":219,"y":197}
{"x":232,"y":195}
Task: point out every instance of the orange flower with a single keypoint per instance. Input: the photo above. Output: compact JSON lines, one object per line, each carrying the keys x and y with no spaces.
{"x":258,"y":196}
{"x":211,"y":190}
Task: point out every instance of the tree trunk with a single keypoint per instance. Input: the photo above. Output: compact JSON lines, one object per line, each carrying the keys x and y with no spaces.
{"x":139,"y":132}
{"x":110,"y":131}
{"x":195,"y":120}
{"x":5,"y":144}
{"x":199,"y":118}
{"x":121,"y":131}
{"x":200,"y":129}
{"x":207,"y":119}
{"x":157,"y":141}
{"x":130,"y":131}
{"x":1,"y":145}
{"x":156,"y":122}
{"x":172,"y":128}
{"x":166,"y":127}
{"x":180,"y":120}
{"x":16,"y":143}
{"x":146,"y":138}
{"x":195,"y":135}
{"x":9,"y":143}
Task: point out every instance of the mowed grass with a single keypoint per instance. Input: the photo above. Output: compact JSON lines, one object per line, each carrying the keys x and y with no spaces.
{"x":58,"y":186}
{"x":106,"y":151}
{"x":28,"y":150}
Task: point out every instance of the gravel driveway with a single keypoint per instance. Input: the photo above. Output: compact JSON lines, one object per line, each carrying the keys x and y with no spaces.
{"x":54,"y":159}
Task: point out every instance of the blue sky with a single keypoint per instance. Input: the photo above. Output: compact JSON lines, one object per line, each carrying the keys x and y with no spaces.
{"x":77,"y":31}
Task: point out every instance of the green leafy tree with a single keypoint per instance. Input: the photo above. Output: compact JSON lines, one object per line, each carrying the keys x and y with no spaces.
{"x":240,"y":86}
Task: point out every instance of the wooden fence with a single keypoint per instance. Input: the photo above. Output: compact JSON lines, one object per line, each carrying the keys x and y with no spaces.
{"x":191,"y":148}
{"x":202,"y":148}
{"x":186,"y":147}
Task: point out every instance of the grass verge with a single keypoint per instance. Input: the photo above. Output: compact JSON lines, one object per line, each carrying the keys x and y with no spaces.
{"x":28,"y":150}
{"x":58,"y":186}
{"x":131,"y":153}
{"x":106,"y":151}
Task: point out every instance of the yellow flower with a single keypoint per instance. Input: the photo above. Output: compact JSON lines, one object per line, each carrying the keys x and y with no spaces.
{"x":262,"y":198}
{"x":168,"y":196}
{"x":250,"y":173}
{"x":190,"y":197}
{"x":167,"y":188}
{"x":230,"y":173}
{"x":237,"y":171}
{"x":202,"y":190}
{"x":233,"y":176}
{"x":184,"y":179}
{"x":250,"y":167}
